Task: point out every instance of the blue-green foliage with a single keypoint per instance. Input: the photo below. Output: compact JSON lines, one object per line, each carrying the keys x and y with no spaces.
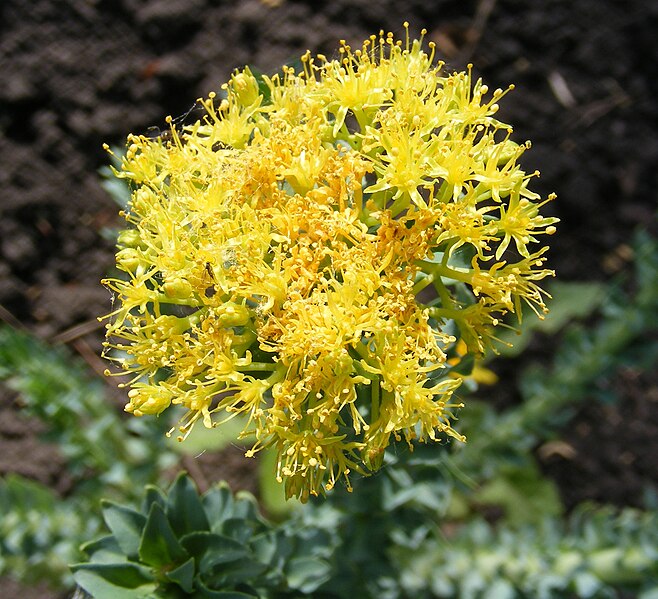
{"x":179,"y":544}
{"x":596,"y":554}
{"x":40,"y":535}
{"x":106,"y":456}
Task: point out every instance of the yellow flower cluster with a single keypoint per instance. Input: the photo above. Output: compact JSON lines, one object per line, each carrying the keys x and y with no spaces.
{"x":309,"y":254}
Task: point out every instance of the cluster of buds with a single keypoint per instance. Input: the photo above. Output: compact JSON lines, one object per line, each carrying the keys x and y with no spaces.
{"x":310,"y":255}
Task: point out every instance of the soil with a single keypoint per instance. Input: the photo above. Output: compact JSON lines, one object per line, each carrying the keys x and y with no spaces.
{"x":78,"y":73}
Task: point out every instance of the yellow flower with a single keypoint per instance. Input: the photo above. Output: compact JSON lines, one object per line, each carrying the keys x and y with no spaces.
{"x":402,"y":162}
{"x":355,"y":83}
{"x":520,"y":220}
{"x":299,"y":255}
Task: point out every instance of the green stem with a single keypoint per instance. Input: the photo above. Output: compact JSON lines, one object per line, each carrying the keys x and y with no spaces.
{"x":445,"y":192}
{"x":401,"y":204}
{"x":374,"y":400}
{"x":362,"y":350}
{"x":441,"y":270}
{"x":361,"y":118}
{"x":278,"y":375}
{"x":260,"y":367}
{"x":422,"y":283}
{"x":444,"y":313}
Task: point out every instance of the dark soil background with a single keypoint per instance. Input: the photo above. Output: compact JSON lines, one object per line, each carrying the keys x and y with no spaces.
{"x":78,"y":73}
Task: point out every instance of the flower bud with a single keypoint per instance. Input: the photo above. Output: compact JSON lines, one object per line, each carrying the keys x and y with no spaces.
{"x":245,"y":87}
{"x":129,"y":238}
{"x":129,"y":259}
{"x":177,"y":288}
{"x":233,"y":315}
{"x":148,"y":400}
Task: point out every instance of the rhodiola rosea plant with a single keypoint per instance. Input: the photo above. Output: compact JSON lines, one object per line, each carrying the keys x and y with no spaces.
{"x":324,"y":254}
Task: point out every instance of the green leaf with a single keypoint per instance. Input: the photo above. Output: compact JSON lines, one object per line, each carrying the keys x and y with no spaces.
{"x":587,"y":585}
{"x":240,"y":529}
{"x":152,"y":495}
{"x":524,"y":494}
{"x":462,"y":257}
{"x":306,"y":574}
{"x":266,"y":547}
{"x":203,"y":592}
{"x":574,"y":299}
{"x":263,"y":88}
{"x":571,"y":300}
{"x":234,"y":573}
{"x":184,"y":508}
{"x":26,"y":493}
{"x":126,"y":526}
{"x":183,"y":576}
{"x":211,"y":548}
{"x":310,"y":542}
{"x":245,"y":506}
{"x":501,"y":589}
{"x":218,"y":505}
{"x":106,"y":550}
{"x":118,"y":190}
{"x":220,"y":551}
{"x":159,"y":545}
{"x":114,"y":581}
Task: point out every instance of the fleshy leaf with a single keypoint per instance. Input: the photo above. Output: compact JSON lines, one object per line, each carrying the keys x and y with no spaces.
{"x":183,"y":576}
{"x":240,"y":529}
{"x":306,"y":574}
{"x":238,"y":572}
{"x":184,"y":508}
{"x":114,"y":581}
{"x":159,"y":545}
{"x":153,"y":495}
{"x":126,"y":526}
{"x":206,"y":593}
{"x":218,"y":504}
{"x":106,"y":550}
{"x":210,"y":549}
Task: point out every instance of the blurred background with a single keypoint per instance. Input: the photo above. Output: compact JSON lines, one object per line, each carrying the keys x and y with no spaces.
{"x":75,"y":74}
